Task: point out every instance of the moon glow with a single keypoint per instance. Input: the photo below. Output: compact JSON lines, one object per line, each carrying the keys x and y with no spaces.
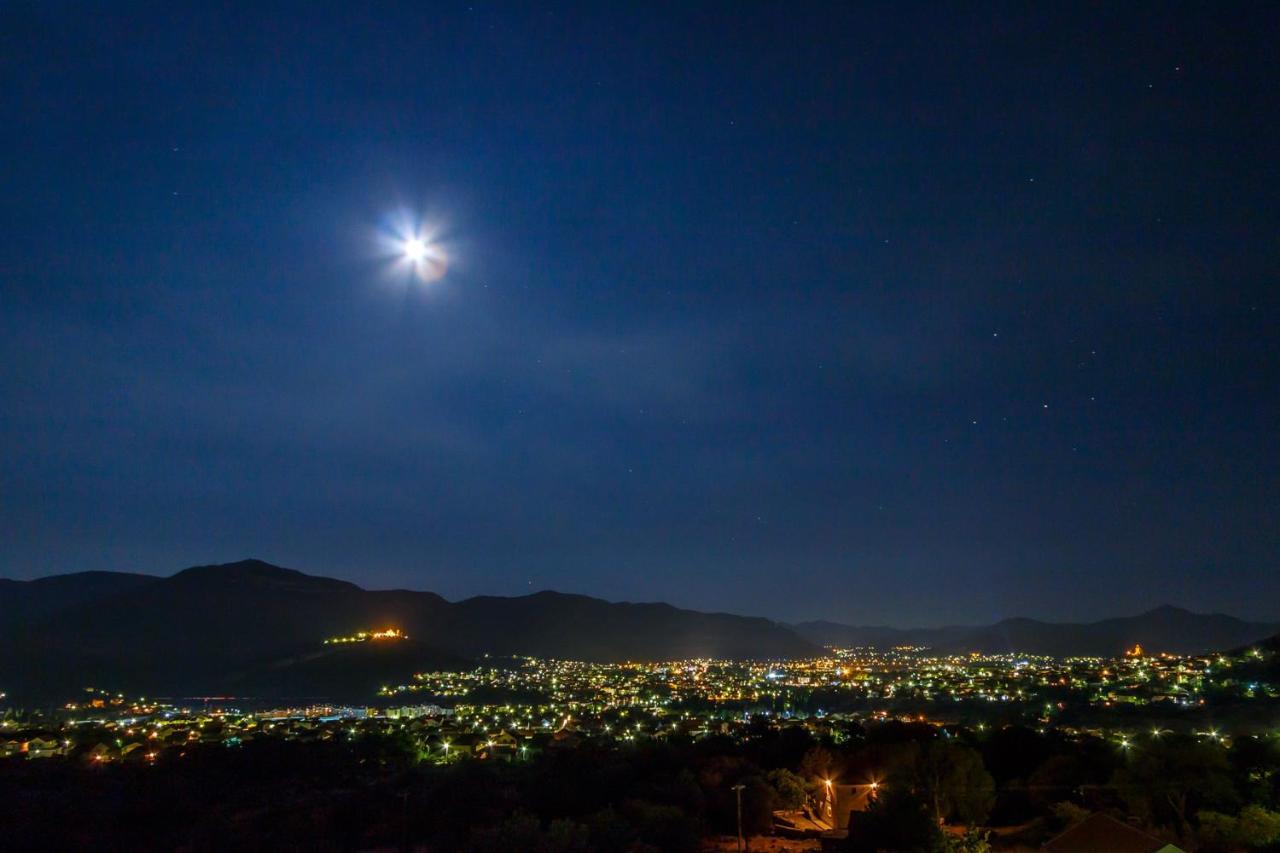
{"x":427,"y":260}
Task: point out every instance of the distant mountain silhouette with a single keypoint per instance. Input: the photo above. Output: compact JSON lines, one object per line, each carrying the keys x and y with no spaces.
{"x":251,"y":628}
{"x":1164,"y":629}
{"x":24,"y":602}
{"x":254,"y":627}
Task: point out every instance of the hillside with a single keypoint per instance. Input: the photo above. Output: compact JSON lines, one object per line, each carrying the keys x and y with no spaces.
{"x":215,"y":629}
{"x":254,"y":628}
{"x":25,"y":602}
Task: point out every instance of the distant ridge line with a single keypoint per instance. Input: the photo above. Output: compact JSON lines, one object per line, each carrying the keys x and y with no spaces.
{"x":1165,"y":628}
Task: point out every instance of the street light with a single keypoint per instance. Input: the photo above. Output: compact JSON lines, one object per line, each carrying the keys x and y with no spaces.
{"x":737,"y":789}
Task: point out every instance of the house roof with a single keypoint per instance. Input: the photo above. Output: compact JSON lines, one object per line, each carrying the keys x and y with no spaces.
{"x":1101,"y":833}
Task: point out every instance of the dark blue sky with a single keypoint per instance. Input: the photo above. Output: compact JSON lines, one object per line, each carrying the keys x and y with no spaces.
{"x":806,"y":310}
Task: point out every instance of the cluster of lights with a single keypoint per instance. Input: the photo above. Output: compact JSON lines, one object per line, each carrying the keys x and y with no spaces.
{"x":490,"y":711}
{"x":366,"y":636}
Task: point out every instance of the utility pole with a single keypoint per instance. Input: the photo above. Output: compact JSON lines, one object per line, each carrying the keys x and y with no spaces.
{"x":404,"y":821}
{"x":737,"y":789}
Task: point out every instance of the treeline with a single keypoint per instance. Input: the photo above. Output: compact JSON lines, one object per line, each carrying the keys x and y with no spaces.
{"x":370,"y":791}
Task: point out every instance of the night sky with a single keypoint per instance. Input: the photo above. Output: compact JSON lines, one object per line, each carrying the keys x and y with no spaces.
{"x":804,"y":310}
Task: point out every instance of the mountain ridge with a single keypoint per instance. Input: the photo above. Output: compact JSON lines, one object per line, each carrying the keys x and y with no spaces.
{"x":200,"y":630}
{"x":1164,"y":628}
{"x":253,"y":625}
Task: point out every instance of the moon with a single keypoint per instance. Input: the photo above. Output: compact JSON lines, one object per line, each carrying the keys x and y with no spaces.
{"x":415,"y":250}
{"x":412,"y":248}
{"x":427,"y":260}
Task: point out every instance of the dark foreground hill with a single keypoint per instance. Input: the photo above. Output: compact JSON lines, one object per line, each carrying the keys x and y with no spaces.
{"x":1164,"y":629}
{"x":258,"y":628}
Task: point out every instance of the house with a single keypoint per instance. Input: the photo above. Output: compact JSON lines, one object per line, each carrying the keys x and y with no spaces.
{"x":839,"y":801}
{"x":564,"y":739}
{"x":1101,"y":833}
{"x":135,"y":751}
{"x":501,"y":745}
{"x":465,"y":744}
{"x":42,"y":747}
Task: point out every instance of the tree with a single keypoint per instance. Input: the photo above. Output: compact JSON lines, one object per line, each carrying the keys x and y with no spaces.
{"x":1253,"y":827}
{"x":1068,"y":813}
{"x":899,"y":821}
{"x":1166,"y":778}
{"x":1257,"y":826}
{"x":1014,"y":752}
{"x":610,"y":831}
{"x":790,"y":789}
{"x":1056,"y":779}
{"x":566,"y":835}
{"x":785,"y":748}
{"x":664,"y":827}
{"x":1217,"y":830}
{"x":817,"y":764}
{"x":1255,"y":764}
{"x":522,"y":831}
{"x":951,"y":779}
{"x":973,"y":841}
{"x":518,"y":832}
{"x":759,"y":799}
